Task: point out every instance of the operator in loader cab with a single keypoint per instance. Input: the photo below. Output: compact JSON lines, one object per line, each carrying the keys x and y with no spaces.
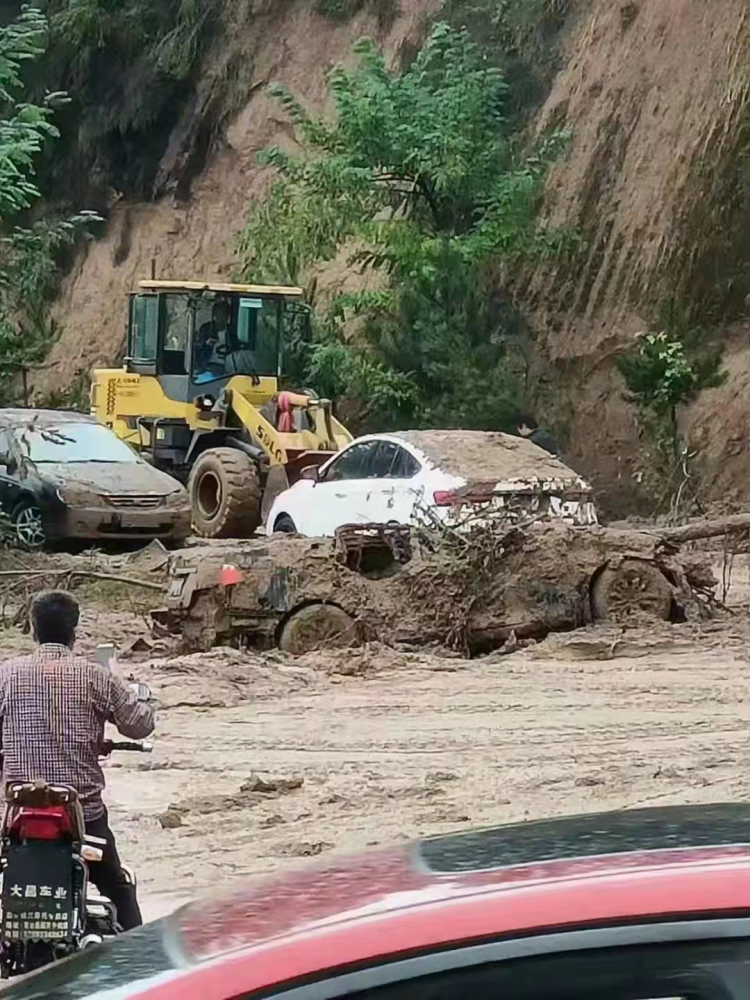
{"x":212,"y":344}
{"x":53,"y":707}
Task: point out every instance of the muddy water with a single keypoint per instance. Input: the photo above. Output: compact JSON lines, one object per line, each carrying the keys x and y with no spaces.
{"x":389,"y":745}
{"x":414,"y":745}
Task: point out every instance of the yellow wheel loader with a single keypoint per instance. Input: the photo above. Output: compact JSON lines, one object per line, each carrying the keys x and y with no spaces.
{"x":198,"y":396}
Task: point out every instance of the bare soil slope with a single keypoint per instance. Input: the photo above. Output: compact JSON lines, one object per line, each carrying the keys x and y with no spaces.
{"x":655,"y":93}
{"x":275,"y":41}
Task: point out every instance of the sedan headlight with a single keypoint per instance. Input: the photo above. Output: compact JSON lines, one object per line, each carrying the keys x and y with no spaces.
{"x":77,"y":496}
{"x":178,"y":498}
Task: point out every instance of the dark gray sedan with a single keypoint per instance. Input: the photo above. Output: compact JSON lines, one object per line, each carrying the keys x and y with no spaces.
{"x":64,"y":476}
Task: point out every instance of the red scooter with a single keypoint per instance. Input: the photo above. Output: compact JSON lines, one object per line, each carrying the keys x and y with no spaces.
{"x":48,"y":911}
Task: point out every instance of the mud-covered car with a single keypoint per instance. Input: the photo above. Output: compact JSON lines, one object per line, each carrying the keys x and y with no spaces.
{"x":377,"y":582}
{"x":64,"y":476}
{"x":452,"y":476}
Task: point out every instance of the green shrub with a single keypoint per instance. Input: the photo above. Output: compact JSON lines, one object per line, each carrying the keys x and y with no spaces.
{"x":420,"y":172}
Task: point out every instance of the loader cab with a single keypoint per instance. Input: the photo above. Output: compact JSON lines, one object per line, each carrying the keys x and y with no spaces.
{"x":194,"y":338}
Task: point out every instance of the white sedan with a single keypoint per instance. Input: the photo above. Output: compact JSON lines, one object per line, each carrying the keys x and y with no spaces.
{"x":441,"y":474}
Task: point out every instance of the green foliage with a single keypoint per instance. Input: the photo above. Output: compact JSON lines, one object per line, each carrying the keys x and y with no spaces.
{"x":130,"y":66}
{"x":522,"y":39}
{"x":339,"y":10}
{"x":28,"y":276}
{"x":29,"y":255}
{"x":76,"y":396}
{"x":514,"y":25}
{"x":420,"y":179}
{"x":165,"y":34}
{"x":378,"y":392}
{"x":660,"y":377}
{"x":23,"y":127}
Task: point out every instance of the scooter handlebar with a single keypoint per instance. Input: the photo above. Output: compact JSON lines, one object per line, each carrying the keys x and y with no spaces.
{"x":109,"y":746}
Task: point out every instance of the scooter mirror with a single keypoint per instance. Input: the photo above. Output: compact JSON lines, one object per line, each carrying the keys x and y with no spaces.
{"x":105,"y":654}
{"x":142,"y":691}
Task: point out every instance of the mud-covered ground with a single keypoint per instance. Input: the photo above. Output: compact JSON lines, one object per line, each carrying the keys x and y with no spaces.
{"x":368,"y":747}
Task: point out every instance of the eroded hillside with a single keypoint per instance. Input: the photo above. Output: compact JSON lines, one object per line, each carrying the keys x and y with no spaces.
{"x":189,"y":230}
{"x":655,"y":93}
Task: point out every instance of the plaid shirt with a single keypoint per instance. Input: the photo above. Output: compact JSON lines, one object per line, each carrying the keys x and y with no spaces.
{"x":53,"y":707}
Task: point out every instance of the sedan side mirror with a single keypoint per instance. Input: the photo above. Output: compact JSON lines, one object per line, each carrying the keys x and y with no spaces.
{"x":310,"y":472}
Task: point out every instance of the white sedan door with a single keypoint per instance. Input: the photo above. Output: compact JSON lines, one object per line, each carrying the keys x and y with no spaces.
{"x":395,"y":485}
{"x":340,"y":495}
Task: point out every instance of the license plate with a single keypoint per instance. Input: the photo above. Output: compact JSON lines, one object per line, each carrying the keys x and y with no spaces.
{"x":37,"y":895}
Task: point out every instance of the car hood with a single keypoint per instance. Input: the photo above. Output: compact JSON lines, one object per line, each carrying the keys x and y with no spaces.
{"x":109,"y":477}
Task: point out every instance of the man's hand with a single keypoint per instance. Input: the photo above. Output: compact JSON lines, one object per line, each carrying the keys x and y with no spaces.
{"x":135,"y":719}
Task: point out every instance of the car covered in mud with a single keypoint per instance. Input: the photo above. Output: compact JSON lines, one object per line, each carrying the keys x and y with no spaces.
{"x":64,"y":476}
{"x":404,"y":587}
{"x":416,"y":476}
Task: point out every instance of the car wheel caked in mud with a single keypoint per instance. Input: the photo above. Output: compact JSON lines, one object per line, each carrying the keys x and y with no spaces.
{"x":317,"y":626}
{"x":28,"y":526}
{"x":225,"y":494}
{"x":632,"y":588}
{"x":285,"y":525}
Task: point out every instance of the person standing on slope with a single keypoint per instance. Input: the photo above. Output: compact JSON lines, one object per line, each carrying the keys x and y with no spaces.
{"x":528,"y":428}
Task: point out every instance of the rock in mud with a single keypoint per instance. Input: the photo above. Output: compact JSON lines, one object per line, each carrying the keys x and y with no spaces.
{"x":271,"y":821}
{"x":171,"y":819}
{"x":272,"y":786}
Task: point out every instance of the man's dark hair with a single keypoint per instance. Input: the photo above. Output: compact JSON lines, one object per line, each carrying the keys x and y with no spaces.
{"x":524,"y":420}
{"x":54,"y":617}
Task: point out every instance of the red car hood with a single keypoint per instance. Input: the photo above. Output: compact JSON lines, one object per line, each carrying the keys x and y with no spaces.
{"x":382,"y":885}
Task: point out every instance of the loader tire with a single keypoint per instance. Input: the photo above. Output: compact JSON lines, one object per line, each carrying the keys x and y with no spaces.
{"x":317,"y":626}
{"x":634,"y":588}
{"x":225,"y":494}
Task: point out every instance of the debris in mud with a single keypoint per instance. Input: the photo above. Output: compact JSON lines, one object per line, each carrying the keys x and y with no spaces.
{"x":606,"y":644}
{"x":139,"y":645}
{"x":303,"y":849}
{"x":440,"y":776}
{"x":589,"y":781}
{"x":150,"y":559}
{"x":172,"y":818}
{"x":452,"y":816}
{"x":270,"y":821}
{"x":253,"y":792}
{"x":273,"y":786}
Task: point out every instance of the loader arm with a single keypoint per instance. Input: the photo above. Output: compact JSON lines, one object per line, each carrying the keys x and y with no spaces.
{"x":323,"y":437}
{"x":258,"y":427}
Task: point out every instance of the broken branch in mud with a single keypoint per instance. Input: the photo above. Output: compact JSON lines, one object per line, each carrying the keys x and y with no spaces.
{"x":89,"y":574}
{"x":18,"y":587}
{"x":697,"y":530}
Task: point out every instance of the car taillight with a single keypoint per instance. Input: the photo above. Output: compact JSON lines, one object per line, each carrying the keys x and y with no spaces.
{"x":51,"y":823}
{"x":445,"y":498}
{"x":452,"y":498}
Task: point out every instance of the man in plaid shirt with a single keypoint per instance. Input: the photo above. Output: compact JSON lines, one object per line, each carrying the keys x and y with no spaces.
{"x":53,"y":707}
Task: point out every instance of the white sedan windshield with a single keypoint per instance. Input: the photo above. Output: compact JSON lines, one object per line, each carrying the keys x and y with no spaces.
{"x":77,"y":442}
